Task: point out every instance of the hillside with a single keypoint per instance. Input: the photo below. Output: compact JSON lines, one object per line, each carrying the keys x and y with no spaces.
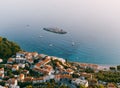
{"x":8,"y":48}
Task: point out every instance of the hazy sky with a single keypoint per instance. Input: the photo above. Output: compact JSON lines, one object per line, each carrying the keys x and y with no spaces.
{"x":100,"y":13}
{"x":96,"y":18}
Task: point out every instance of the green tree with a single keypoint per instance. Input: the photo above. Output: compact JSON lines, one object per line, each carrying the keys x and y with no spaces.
{"x":8,"y":48}
{"x":112,"y":68}
{"x":30,"y":86}
{"x":81,"y":86}
{"x":118,"y":67}
{"x":89,"y":70}
{"x":101,"y":86}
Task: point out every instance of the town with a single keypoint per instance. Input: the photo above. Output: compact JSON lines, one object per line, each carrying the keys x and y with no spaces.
{"x":33,"y":70}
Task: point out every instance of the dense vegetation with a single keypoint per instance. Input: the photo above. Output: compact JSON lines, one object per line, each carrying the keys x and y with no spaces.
{"x":108,"y":76}
{"x":8,"y":48}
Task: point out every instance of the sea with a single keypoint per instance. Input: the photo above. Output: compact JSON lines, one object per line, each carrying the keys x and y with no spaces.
{"x":93,"y":31}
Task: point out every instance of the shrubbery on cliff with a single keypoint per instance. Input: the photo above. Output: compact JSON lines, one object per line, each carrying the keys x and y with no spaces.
{"x":8,"y":48}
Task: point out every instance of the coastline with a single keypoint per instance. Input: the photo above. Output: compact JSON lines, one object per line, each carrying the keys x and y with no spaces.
{"x":104,"y":67}
{"x":100,"y":66}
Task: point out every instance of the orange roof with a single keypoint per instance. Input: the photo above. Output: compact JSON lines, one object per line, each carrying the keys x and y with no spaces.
{"x":15,"y":66}
{"x":46,"y":60}
{"x":21,"y":75}
{"x":86,"y":74}
{"x":1,"y":75}
{"x":10,"y":60}
{"x":38,"y":64}
{"x":34,"y":53}
{"x":111,"y":85}
{"x":69,"y":70}
{"x":30,"y":60}
{"x":1,"y":69}
{"x":28,"y":79}
{"x":8,"y":65}
{"x":40,"y":78}
{"x":62,"y":76}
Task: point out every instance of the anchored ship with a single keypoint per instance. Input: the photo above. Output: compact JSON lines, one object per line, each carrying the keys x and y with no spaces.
{"x":55,"y":30}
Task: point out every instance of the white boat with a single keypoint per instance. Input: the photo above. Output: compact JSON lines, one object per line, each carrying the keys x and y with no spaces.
{"x":41,"y":36}
{"x":55,"y":30}
{"x":73,"y":43}
{"x":50,"y":45}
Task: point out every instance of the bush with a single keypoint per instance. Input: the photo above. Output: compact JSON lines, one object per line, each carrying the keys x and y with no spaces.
{"x":8,"y":48}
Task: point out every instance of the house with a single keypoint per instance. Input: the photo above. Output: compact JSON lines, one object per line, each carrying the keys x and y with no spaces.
{"x":30,"y":61}
{"x":86,"y":75}
{"x":20,"y":54}
{"x":118,"y":85}
{"x":13,"y":83}
{"x":58,"y":77}
{"x":1,"y":75}
{"x":78,"y":81}
{"x":28,"y":55}
{"x":28,"y":79}
{"x":26,"y":72}
{"x":38,"y":80}
{"x":92,"y":66}
{"x":49,"y":69}
{"x":41,"y":56}
{"x":2,"y":86}
{"x":111,"y":85}
{"x":59,"y":65}
{"x":20,"y":60}
{"x":43,"y":70}
{"x":21,"y":65}
{"x":70,"y":71}
{"x":60,"y":59}
{"x":1,"y":70}
{"x":42,"y":63}
{"x":21,"y":77}
{"x":8,"y":66}
{"x":15,"y":67}
{"x":83,"y":65}
{"x":1,"y":60}
{"x":34,"y":54}
{"x":48,"y":77}
{"x":93,"y":82}
{"x":10,"y":60}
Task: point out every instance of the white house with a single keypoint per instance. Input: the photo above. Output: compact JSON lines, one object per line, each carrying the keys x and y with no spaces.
{"x":21,"y":77}
{"x":13,"y":83}
{"x":18,"y":55}
{"x":21,"y":65}
{"x":39,"y":80}
{"x":20,"y":60}
{"x":78,"y":81}
{"x":1,"y":70}
{"x":1,"y":60}
{"x":2,"y":86}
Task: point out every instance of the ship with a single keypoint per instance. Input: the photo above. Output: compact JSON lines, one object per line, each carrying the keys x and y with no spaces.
{"x":55,"y":30}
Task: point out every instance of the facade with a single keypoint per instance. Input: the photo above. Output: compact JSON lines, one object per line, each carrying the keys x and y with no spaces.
{"x":78,"y":81}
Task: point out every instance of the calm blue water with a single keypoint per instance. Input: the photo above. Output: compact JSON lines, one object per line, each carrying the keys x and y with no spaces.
{"x":83,"y":50}
{"x":92,"y":25}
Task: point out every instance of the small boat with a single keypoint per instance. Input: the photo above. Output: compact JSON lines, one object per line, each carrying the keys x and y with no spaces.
{"x":50,"y":45}
{"x":27,"y":25}
{"x":73,"y":43}
{"x":41,"y":36}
